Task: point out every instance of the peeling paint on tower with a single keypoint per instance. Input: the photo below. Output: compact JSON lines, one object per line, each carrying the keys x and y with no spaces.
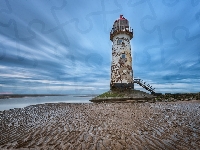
{"x":121,"y":67}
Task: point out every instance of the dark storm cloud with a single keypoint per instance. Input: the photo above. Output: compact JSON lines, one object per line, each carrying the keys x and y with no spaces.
{"x":62,"y":47}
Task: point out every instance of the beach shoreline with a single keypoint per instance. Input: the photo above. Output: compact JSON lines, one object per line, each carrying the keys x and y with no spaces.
{"x":8,"y":96}
{"x":160,"y":125}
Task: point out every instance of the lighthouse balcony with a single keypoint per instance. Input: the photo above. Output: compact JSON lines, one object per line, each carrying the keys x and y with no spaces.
{"x":116,"y":31}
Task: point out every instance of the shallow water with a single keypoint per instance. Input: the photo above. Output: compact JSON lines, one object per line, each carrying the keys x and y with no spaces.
{"x":11,"y":103}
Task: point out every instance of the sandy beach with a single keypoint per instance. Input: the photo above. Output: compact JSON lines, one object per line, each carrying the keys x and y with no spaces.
{"x":102,"y":126}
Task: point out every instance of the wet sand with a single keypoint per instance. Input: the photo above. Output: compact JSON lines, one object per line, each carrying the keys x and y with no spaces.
{"x":101,"y":126}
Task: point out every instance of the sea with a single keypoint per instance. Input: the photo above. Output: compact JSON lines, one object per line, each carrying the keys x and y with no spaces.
{"x":6,"y":104}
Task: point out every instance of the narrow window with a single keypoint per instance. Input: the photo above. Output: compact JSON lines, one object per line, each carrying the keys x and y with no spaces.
{"x":119,"y":41}
{"x":123,"y":55}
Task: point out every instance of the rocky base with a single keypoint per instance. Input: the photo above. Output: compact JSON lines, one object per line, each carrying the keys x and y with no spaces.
{"x":124,"y":96}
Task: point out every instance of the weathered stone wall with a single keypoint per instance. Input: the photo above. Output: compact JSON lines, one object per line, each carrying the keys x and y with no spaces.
{"x":121,"y":67}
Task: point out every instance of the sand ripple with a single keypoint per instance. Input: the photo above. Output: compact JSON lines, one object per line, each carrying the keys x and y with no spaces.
{"x":174,"y":125}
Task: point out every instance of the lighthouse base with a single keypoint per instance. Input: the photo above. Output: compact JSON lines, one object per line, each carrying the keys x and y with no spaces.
{"x":122,"y":86}
{"x":124,"y":96}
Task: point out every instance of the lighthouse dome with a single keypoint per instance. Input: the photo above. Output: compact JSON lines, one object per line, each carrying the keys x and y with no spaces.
{"x":121,"y":24}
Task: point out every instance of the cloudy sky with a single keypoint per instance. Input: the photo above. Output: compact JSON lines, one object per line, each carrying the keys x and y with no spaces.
{"x":64,"y":47}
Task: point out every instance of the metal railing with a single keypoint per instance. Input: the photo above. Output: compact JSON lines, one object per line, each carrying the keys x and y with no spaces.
{"x":118,"y":30}
{"x":121,"y":28}
{"x":144,"y":85}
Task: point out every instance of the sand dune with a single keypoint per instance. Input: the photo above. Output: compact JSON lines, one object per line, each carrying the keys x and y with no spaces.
{"x":174,"y":125}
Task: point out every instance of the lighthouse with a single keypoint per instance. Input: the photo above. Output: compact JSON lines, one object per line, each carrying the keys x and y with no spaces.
{"x":121,"y":67}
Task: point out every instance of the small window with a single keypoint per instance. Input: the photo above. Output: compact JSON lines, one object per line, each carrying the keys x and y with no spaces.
{"x":119,"y":41}
{"x":123,"y":55}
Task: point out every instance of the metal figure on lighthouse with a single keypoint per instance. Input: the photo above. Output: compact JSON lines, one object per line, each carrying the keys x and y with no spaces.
{"x":121,"y":67}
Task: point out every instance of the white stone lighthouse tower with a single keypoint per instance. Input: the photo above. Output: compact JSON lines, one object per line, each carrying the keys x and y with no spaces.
{"x":121,"y":67}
